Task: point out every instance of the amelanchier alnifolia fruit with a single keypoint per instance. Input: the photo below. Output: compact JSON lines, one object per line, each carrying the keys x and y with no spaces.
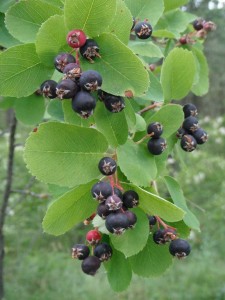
{"x":48,"y":89}
{"x":114,"y":203}
{"x":90,"y":50}
{"x":179,"y":248}
{"x":155,"y":129}
{"x":117,"y":223}
{"x":93,"y":237}
{"x":190,"y":109}
{"x":66,"y":89}
{"x":198,"y":24}
{"x":200,"y":136}
{"x":190,"y":124}
{"x":143,"y":30}
{"x":72,"y":71}
{"x":62,"y":60}
{"x":101,"y":191}
{"x":76,"y":38}
{"x":90,"y":80}
{"x":188,"y":143}
{"x":130,"y":199}
{"x":157,"y":146}
{"x":114,"y":104}
{"x":107,"y":166}
{"x":103,"y":251}
{"x":84,"y":104}
{"x":80,"y":251}
{"x":90,"y":265}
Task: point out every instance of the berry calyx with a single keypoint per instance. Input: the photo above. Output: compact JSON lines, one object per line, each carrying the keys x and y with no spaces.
{"x":72,"y":71}
{"x":80,"y":251}
{"x":143,"y":30}
{"x":93,"y":237}
{"x":90,"y":80}
{"x":157,"y":146}
{"x":48,"y":89}
{"x":76,"y":38}
{"x":103,"y":251}
{"x":130,"y":199}
{"x":107,"y":166}
{"x":90,"y":265}
{"x":179,"y":248}
{"x":114,"y":203}
{"x":155,"y":129}
{"x":90,"y":50}
{"x":101,"y":191}
{"x":62,"y":60}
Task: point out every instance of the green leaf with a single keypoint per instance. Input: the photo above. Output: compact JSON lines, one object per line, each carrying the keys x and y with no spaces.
{"x":201,"y":87}
{"x":122,"y":22}
{"x":55,"y":110}
{"x":130,"y":115}
{"x":120,"y":68}
{"x":70,"y":154}
{"x":24,"y":18}
{"x":178,"y":198}
{"x":69,"y":209}
{"x":163,"y":33}
{"x":152,"y":261}
{"x":133,"y":240}
{"x":146,"y":9}
{"x":21,"y":71}
{"x":171,"y":117}
{"x":48,"y":44}
{"x":112,"y":125}
{"x":147,"y":49}
{"x":91,"y":16}
{"x":137,"y":164}
{"x":119,"y":271}
{"x":6,"y":40}
{"x":155,"y":205}
{"x":181,"y":228}
{"x":169,"y":5}
{"x":4,"y":5}
{"x":177,"y":74}
{"x":30,"y":110}
{"x":155,"y":92}
{"x":7,"y":102}
{"x":140,"y":123}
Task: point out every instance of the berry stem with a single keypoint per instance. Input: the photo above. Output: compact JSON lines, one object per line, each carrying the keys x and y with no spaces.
{"x":147,"y":108}
{"x":117,"y":182}
{"x":77,"y":57}
{"x":160,"y":221}
{"x":144,"y":138}
{"x":112,"y":183}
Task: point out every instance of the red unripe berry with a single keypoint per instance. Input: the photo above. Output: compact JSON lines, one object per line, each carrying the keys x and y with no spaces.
{"x":183,"y":40}
{"x":93,"y":237}
{"x":76,"y":38}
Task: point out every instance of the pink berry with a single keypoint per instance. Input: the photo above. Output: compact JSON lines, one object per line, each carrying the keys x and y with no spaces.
{"x":76,"y":38}
{"x":93,"y":237}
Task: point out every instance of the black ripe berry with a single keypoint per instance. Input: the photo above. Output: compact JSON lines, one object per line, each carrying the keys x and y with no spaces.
{"x":143,"y":30}
{"x":156,"y":146}
{"x":188,"y":143}
{"x":90,"y":265}
{"x":114,"y":203}
{"x":48,"y":89}
{"x":72,"y":71}
{"x":162,"y":236}
{"x":63,"y":59}
{"x":190,"y":109}
{"x":66,"y":89}
{"x":117,"y":223}
{"x":131,"y":217}
{"x":103,"y":251}
{"x":102,"y":95}
{"x":198,"y":24}
{"x":103,"y":210}
{"x":200,"y":135}
{"x":90,"y":50}
{"x":180,"y":132}
{"x":101,"y":191}
{"x":113,"y":103}
{"x":155,"y":129}
{"x":134,"y":22}
{"x":190,"y":124}
{"x":107,"y":166}
{"x":130,"y":199}
{"x":84,"y":104}
{"x":179,"y":248}
{"x":90,"y":80}
{"x":118,"y":192}
{"x":152,"y":220}
{"x":80,"y":251}
{"x":76,"y":38}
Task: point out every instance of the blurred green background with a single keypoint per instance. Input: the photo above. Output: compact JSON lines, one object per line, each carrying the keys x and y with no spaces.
{"x":39,"y":266}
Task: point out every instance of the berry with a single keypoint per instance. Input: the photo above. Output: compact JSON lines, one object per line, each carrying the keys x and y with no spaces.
{"x":180,"y":132}
{"x":118,"y":192}
{"x":80,"y":251}
{"x":103,"y":210}
{"x":143,"y":30}
{"x":179,"y":248}
{"x":107,"y":166}
{"x":130,"y":199}
{"x":156,"y":146}
{"x":114,"y":104}
{"x":90,"y":265}
{"x":90,"y":80}
{"x":162,"y":236}
{"x":113,"y":202}
{"x":90,"y":50}
{"x":117,"y":223}
{"x":93,"y":237}
{"x":72,"y":71}
{"x":48,"y":89}
{"x":84,"y":104}
{"x":155,"y":129}
{"x":132,"y":218}
{"x":134,"y":22}
{"x":101,"y":191}
{"x":103,"y":251}
{"x":200,"y":135}
{"x":190,"y":109}
{"x":102,"y":95}
{"x":152,"y":67}
{"x":76,"y":38}
{"x":183,"y":40}
{"x":63,"y":59}
{"x":152,"y":220}
{"x":190,"y":124}
{"x":188,"y":143}
{"x":66,"y":89}
{"x":198,"y":24}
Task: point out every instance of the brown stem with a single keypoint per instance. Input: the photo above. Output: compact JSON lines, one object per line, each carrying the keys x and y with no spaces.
{"x":144,"y":138}
{"x":6,"y":195}
{"x":160,"y":221}
{"x":147,"y":108}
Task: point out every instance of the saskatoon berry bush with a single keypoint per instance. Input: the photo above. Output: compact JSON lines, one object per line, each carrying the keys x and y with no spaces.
{"x":106,"y":76}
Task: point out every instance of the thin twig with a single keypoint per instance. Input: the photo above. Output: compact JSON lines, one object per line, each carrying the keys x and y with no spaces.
{"x":147,"y":108}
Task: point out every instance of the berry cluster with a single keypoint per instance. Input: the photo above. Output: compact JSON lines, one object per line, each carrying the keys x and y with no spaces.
{"x":201,"y":24}
{"x":101,"y":251}
{"x":178,"y":247}
{"x":156,"y":145}
{"x":190,"y":133}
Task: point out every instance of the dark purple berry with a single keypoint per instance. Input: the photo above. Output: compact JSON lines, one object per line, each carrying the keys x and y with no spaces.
{"x":80,"y":251}
{"x":114,"y":104}
{"x":162,"y":236}
{"x":143,"y":30}
{"x":48,"y":89}
{"x":102,"y":95}
{"x":198,"y":24}
{"x":152,"y":220}
{"x":90,"y":265}
{"x":180,"y":132}
{"x":103,"y":210}
{"x":130,"y":199}
{"x":117,"y":223}
{"x":131,"y":217}
{"x":103,"y":251}
{"x":190,"y":109}
{"x":134,"y":22}
{"x":90,"y":80}
{"x":66,"y":89}
{"x":107,"y":166}
{"x":190,"y":124}
{"x":156,"y":146}
{"x":90,"y":50}
{"x":63,"y":59}
{"x":118,"y":192}
{"x":188,"y":143}
{"x":200,"y":135}
{"x":84,"y":104}
{"x":72,"y":71}
{"x":101,"y":191}
{"x":114,"y":203}
{"x":179,"y":248}
{"x":155,"y":129}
